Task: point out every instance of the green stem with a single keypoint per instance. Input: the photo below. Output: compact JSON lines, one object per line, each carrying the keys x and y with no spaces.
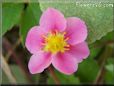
{"x":53,"y":75}
{"x":101,"y":61}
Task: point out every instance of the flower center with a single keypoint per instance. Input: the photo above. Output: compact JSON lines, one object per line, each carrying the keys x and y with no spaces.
{"x":56,"y":42}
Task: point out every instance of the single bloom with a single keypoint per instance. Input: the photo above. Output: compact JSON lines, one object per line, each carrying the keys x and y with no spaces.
{"x":57,"y":41}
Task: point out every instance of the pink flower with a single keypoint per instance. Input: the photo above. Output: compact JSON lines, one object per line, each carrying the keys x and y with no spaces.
{"x":57,"y":41}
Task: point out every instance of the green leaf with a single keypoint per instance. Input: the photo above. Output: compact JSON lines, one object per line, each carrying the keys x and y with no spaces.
{"x":64,"y":79}
{"x":11,"y":14}
{"x":110,"y":60}
{"x":19,"y":76}
{"x":99,"y":20}
{"x":109,"y":75}
{"x":0,"y":21}
{"x":94,"y":52}
{"x":109,"y":36}
{"x":110,"y":67}
{"x":29,"y":19}
{"x":20,"y":1}
{"x":87,"y":70}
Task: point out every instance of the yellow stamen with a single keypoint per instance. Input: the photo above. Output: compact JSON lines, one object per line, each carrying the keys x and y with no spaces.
{"x":66,"y":39}
{"x":56,"y":42}
{"x":67,"y":49}
{"x":64,"y":33}
{"x":67,"y":45}
{"x":44,"y":36}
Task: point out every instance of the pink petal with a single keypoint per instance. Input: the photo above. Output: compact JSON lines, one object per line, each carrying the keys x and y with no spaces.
{"x":52,"y":20}
{"x":38,"y":62}
{"x":65,"y":63}
{"x":76,"y":30}
{"x":34,"y":39}
{"x":79,"y":51}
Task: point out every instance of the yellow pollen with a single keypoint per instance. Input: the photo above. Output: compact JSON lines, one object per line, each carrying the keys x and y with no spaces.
{"x":56,"y":42}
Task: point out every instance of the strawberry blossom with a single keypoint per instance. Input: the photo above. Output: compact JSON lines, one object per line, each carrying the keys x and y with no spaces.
{"x":57,"y":41}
